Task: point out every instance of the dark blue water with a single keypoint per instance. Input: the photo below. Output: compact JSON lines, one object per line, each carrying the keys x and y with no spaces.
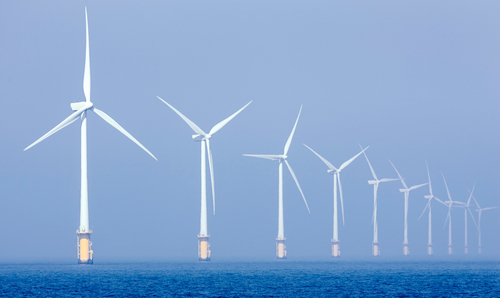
{"x":253,"y":279}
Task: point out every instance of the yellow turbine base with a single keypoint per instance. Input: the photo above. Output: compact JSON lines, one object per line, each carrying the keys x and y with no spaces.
{"x":85,"y":253}
{"x":203,"y":248}
{"x":376,"y":250}
{"x":335,"y":249}
{"x":429,"y":250}
{"x":280,"y":249}
{"x":406,"y":250}
{"x":450,"y":250}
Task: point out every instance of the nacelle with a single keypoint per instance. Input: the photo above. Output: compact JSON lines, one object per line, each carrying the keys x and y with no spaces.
{"x":77,"y":105}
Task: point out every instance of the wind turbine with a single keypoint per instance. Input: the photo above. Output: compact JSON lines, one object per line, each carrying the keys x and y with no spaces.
{"x":449,"y":203}
{"x":282,"y":158}
{"x":204,"y":139}
{"x":85,"y":253}
{"x":375,"y":182}
{"x":406,"y":191}
{"x":429,"y":197}
{"x":336,"y":177}
{"x":480,"y":211}
{"x":466,"y":207}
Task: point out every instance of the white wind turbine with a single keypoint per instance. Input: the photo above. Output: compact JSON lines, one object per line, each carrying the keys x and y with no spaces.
{"x":375,"y":182}
{"x":204,"y":139}
{"x":429,"y":197}
{"x":449,"y":203}
{"x":336,"y":177}
{"x":406,"y":191}
{"x":280,"y":240}
{"x":81,"y":108}
{"x":466,"y":207}
{"x":480,"y":211}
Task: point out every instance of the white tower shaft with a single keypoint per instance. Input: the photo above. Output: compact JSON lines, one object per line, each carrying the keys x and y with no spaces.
{"x":375,"y":224}
{"x":449,"y":233}
{"x":405,"y":242}
{"x":429,"y":241}
{"x":335,"y":216}
{"x":466,"y":246}
{"x":203,"y":215}
{"x":84,"y":198}
{"x":281,"y":223}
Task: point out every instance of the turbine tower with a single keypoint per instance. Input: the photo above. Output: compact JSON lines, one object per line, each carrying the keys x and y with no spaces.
{"x":85,"y":253}
{"x":480,"y":211}
{"x":204,"y":139}
{"x":336,"y":177}
{"x":449,"y":203}
{"x":406,"y":191}
{"x":280,"y":240}
{"x":375,"y":182}
{"x":466,"y":207}
{"x":429,"y":197}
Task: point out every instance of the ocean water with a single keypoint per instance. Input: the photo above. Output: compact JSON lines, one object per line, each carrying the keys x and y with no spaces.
{"x":254,"y":279}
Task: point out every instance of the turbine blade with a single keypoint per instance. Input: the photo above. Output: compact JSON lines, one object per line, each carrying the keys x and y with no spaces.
{"x":426,"y":206}
{"x":210,"y":163}
{"x":113,"y":123}
{"x":345,"y":164}
{"x":341,"y":199}
{"x":429,"y":176}
{"x":86,"y":73}
{"x":489,"y":208}
{"x":189,"y":122}
{"x":417,"y":186}
{"x":72,"y":118}
{"x":328,"y":164}
{"x":447,"y":216}
{"x":271,"y":157}
{"x":440,"y":201}
{"x":289,"y":141}
{"x":477,"y":204}
{"x":400,"y":178}
{"x":472,"y":217}
{"x":221,"y":124}
{"x":388,"y":179}
{"x":369,"y":164}
{"x":471,"y":192}
{"x":297,"y":182}
{"x":447,"y":190}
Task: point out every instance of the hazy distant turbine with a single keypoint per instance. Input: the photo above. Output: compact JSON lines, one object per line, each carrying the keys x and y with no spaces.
{"x":85,"y":253}
{"x":406,"y":191}
{"x":466,"y":207}
{"x":336,"y":177}
{"x":428,"y":206}
{"x":204,"y":139}
{"x":449,"y":203}
{"x":375,"y":182}
{"x":480,"y":211}
{"x":280,"y":240}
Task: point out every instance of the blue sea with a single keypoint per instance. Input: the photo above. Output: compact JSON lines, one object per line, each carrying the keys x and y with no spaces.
{"x":254,"y":279}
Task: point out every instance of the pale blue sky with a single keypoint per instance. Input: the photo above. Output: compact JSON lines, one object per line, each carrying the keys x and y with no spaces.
{"x":416,"y":81}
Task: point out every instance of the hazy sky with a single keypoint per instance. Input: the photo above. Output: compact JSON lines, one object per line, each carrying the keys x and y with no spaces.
{"x":415,"y":80}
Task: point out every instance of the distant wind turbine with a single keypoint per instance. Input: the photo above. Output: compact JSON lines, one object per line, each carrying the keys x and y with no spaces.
{"x":449,"y":203}
{"x":429,"y":197}
{"x":480,"y":211}
{"x":204,"y":139}
{"x":336,"y":177}
{"x":85,"y":253}
{"x":375,"y":182}
{"x":280,"y":240}
{"x":466,"y":207}
{"x":406,"y":191}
